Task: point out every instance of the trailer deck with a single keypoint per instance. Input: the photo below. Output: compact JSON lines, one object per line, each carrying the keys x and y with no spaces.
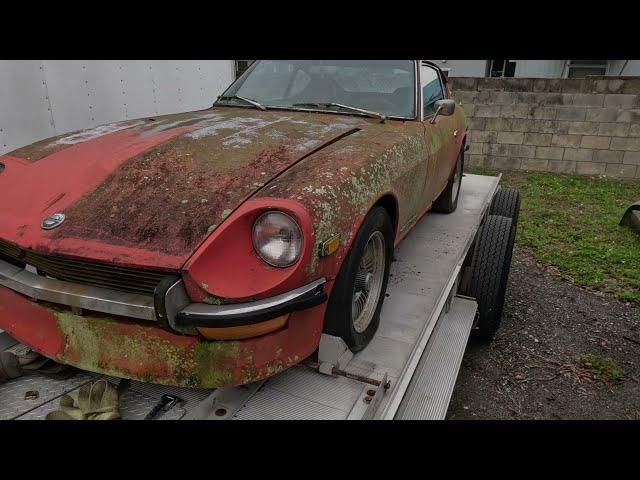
{"x":416,"y":352}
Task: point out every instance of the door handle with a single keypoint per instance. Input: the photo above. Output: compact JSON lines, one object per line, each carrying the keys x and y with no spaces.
{"x":455,"y":133}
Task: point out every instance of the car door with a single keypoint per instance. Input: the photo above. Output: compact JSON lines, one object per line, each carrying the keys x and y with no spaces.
{"x":439,"y":133}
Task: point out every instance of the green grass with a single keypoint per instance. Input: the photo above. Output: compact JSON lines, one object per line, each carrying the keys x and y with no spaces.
{"x":601,"y":368}
{"x":571,"y":222}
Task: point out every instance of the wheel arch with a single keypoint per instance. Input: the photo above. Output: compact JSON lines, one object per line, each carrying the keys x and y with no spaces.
{"x":335,"y":322}
{"x":389,"y":202}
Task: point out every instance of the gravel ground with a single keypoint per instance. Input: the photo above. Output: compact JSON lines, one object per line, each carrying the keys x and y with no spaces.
{"x":530,"y":371}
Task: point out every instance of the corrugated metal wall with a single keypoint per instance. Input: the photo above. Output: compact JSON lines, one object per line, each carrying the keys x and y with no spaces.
{"x":44,"y":98}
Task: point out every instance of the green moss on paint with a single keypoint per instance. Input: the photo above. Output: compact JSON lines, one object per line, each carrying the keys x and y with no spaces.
{"x":135,"y":351}
{"x":215,"y":362}
{"x":211,"y":300}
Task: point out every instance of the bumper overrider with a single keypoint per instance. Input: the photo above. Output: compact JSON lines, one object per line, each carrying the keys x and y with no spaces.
{"x":99,"y":329}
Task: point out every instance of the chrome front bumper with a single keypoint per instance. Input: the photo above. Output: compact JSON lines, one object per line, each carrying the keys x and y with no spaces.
{"x":173,"y":308}
{"x":76,"y":295}
{"x":236,"y":314}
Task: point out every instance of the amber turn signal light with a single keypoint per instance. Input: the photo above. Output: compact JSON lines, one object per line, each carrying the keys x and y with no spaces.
{"x":330,"y":246}
{"x":244,"y":331}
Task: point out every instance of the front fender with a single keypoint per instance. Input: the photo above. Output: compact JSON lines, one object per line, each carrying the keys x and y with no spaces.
{"x":329,"y":193}
{"x":340,"y":184}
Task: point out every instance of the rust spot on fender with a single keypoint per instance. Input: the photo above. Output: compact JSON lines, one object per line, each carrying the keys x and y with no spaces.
{"x":340,"y":183}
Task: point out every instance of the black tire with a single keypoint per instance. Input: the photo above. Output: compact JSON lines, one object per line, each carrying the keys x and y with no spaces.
{"x":447,"y":202}
{"x":506,"y":203}
{"x":338,"y":318}
{"x":489,"y":275}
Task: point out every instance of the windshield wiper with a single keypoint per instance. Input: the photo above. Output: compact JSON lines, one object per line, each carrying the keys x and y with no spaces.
{"x":248,"y":100}
{"x":340,"y":105}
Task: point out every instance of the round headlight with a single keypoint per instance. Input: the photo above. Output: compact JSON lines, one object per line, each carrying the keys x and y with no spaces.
{"x":277,"y":239}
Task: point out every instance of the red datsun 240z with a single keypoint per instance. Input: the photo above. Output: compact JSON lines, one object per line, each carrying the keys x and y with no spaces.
{"x":214,"y":248}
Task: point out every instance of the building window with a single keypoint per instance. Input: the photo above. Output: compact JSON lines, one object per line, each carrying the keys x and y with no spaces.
{"x":241,"y":66}
{"x":501,"y":68}
{"x":584,"y":68}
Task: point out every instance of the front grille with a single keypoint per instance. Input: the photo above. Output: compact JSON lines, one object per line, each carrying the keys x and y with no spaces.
{"x":87,"y":272}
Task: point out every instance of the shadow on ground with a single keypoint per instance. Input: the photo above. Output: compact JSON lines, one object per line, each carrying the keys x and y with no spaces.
{"x":545,"y":362}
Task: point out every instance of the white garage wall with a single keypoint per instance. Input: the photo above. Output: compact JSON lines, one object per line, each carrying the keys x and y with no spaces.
{"x":44,"y":98}
{"x":464,"y":68}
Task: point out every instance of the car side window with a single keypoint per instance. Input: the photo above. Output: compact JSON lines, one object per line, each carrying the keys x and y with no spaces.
{"x":431,"y":90}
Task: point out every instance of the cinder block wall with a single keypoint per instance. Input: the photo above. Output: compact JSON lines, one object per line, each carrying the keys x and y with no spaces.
{"x":586,"y":127}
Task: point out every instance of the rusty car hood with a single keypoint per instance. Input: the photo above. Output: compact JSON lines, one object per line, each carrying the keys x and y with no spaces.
{"x":147,"y":192}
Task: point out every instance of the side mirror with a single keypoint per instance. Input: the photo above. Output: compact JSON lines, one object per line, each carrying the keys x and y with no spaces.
{"x":444,"y":107}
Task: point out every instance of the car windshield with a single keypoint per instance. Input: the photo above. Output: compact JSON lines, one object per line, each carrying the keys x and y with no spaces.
{"x":380,"y":87}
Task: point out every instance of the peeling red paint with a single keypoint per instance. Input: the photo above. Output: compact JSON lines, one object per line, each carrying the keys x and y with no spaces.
{"x":26,"y":189}
{"x":156,"y":188}
{"x":168,"y":199}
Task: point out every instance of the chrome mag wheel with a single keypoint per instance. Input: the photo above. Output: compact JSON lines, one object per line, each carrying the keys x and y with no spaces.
{"x":368,"y":284}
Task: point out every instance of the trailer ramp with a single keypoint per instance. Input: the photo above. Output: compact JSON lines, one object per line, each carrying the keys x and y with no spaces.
{"x":431,"y":387}
{"x":416,"y":351}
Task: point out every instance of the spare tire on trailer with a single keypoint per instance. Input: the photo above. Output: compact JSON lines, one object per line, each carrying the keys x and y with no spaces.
{"x":489,"y":274}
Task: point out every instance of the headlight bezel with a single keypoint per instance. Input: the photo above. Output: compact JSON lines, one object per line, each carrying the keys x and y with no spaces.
{"x":226,"y":265}
{"x":296,"y":230}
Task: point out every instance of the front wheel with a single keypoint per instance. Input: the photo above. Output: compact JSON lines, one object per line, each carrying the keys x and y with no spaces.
{"x":353,"y":311}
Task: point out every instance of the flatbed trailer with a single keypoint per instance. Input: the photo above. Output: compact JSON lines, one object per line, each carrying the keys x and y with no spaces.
{"x":408,"y":371}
